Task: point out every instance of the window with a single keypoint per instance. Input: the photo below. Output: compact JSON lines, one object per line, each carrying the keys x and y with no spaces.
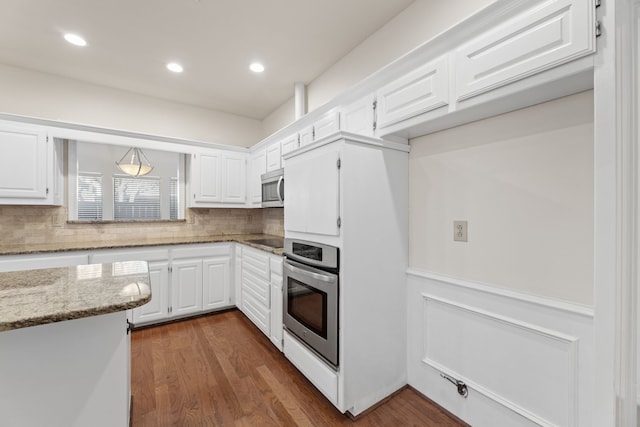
{"x":89,"y":196}
{"x":136,"y":198}
{"x":99,"y":191}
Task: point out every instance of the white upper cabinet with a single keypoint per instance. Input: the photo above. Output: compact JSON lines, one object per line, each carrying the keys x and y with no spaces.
{"x":30,"y":167}
{"x":257,"y":166}
{"x":274,"y":156}
{"x":327,"y":125}
{"x":540,"y":38}
{"x":358,"y":117}
{"x":205,"y":178}
{"x":313,"y":192}
{"x":234,"y":172}
{"x":306,"y":136}
{"x":289,"y":144}
{"x":217,"y":177}
{"x":423,"y":89}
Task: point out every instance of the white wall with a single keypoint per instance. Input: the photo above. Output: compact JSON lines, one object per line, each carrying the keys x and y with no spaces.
{"x":418,"y":23}
{"x":46,"y":96}
{"x":524,"y":183}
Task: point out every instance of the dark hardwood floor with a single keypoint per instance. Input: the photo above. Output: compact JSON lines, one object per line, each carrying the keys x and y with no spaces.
{"x":220,"y":370}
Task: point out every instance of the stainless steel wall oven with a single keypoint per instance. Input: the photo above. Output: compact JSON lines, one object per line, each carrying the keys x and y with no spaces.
{"x":311,"y":296}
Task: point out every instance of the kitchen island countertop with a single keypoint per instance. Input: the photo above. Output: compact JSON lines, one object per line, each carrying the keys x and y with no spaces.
{"x":37,"y":297}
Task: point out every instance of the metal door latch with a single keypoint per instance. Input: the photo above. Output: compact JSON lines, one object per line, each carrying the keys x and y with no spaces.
{"x":460,"y":385}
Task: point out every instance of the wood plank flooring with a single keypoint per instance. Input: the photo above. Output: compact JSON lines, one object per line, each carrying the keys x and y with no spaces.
{"x":220,"y":370}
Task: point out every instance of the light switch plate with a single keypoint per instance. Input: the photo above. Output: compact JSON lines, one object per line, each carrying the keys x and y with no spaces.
{"x":460,"y":231}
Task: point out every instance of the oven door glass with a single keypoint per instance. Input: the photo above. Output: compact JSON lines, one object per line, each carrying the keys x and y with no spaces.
{"x":308,"y":306}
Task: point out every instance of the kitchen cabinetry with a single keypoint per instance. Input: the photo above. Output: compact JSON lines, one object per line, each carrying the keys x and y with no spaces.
{"x":261,"y":291}
{"x":358,"y":117}
{"x":185,"y":279}
{"x":275,"y":267}
{"x":313,"y":192}
{"x":537,"y":39}
{"x":186,"y":286}
{"x":257,"y":167}
{"x":306,"y":136}
{"x":31,"y":167}
{"x":289,"y":144}
{"x":368,"y":189}
{"x":217,"y":178}
{"x":423,"y":89}
{"x":274,"y":157}
{"x":216,"y":282}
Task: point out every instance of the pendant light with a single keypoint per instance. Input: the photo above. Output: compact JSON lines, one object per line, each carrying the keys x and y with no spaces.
{"x":134,"y":163}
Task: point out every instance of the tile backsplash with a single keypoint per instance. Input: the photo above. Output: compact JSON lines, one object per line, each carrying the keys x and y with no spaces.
{"x":37,"y":225}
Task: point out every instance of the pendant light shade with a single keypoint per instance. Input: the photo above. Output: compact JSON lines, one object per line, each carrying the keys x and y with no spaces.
{"x":134,"y":163}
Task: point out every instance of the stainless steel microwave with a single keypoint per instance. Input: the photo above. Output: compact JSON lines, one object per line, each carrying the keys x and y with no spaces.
{"x":273,"y":189}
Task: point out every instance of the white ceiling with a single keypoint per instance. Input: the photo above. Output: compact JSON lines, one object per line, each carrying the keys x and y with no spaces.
{"x":130,"y":41}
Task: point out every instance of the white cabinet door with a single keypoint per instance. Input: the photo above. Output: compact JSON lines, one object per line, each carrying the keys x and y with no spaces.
{"x":205,"y":177}
{"x":290,"y":144}
{"x":216,"y":282}
{"x":306,"y":136}
{"x":423,"y":89}
{"x":158,"y":308}
{"x":23,"y":164}
{"x":276,"y":301}
{"x":274,"y":157}
{"x":358,"y":117}
{"x":186,"y":284}
{"x":327,"y":125}
{"x":312,"y":189}
{"x":257,"y":166}
{"x":538,"y":39}
{"x":234,"y":174}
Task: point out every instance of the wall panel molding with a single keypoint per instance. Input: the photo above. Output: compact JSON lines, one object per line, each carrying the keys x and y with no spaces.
{"x":526,"y":360}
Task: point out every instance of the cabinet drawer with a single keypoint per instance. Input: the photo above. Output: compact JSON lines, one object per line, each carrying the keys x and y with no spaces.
{"x":199,"y":251}
{"x":312,"y":367}
{"x":257,"y":261}
{"x":533,"y":41}
{"x":116,"y":255}
{"x":259,"y":315}
{"x":257,"y":287}
{"x":418,"y":92}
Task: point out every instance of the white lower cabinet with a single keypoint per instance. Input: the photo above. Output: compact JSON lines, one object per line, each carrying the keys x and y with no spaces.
{"x":186,"y":286}
{"x":216,"y":282}
{"x":185,"y":279}
{"x":158,"y":308}
{"x":261,"y":291}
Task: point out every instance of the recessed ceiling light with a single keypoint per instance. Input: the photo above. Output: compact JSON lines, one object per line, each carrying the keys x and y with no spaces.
{"x":256,"y":67}
{"x":75,"y":39}
{"x":175,"y":67}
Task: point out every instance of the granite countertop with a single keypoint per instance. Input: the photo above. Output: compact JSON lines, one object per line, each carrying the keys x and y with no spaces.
{"x":36,"y":297}
{"x":246,"y":239}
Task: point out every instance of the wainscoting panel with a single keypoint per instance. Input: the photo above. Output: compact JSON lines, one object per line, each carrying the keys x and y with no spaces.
{"x":525,"y":360}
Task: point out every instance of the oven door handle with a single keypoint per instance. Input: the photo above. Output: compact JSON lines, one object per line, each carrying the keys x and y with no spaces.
{"x":322,"y":277}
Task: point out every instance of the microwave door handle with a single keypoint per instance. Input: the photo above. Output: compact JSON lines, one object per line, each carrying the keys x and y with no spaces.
{"x":321,"y":277}
{"x":278,"y":189}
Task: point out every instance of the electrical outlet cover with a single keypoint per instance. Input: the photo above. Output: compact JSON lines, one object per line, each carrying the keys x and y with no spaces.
{"x":460,"y":231}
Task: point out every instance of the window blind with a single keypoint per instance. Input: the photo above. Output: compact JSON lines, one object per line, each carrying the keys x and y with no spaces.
{"x":173,"y":198}
{"x":136,"y":198}
{"x":89,"y":196}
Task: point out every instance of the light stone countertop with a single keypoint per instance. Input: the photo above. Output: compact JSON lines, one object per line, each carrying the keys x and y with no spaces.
{"x":35,"y":248}
{"x":36,"y":297}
